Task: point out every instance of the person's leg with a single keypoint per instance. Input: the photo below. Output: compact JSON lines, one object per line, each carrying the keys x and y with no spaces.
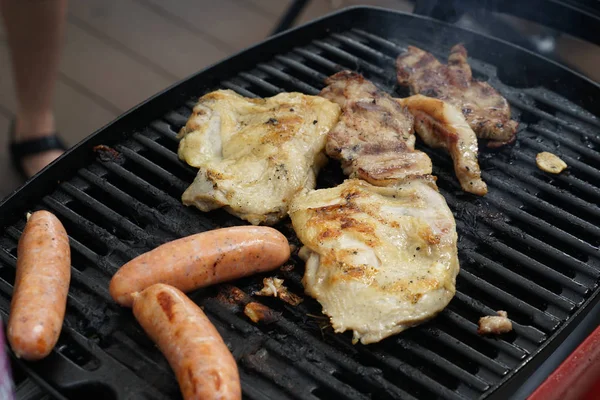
{"x":34,"y":30}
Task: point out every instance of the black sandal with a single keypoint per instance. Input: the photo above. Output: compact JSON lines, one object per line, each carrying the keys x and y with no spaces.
{"x":20,"y":150}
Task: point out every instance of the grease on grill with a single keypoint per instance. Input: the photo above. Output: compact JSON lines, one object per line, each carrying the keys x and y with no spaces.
{"x":108,"y":154}
{"x":258,"y":312}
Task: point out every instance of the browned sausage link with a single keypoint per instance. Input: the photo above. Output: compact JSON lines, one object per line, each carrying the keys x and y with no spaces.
{"x":203,"y":365}
{"x":201,"y":260}
{"x":39,"y":300}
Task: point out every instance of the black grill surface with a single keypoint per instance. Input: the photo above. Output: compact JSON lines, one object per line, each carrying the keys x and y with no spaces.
{"x":529,"y":247}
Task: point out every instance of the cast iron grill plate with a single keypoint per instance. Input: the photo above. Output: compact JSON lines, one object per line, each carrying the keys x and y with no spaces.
{"x":529,"y":247}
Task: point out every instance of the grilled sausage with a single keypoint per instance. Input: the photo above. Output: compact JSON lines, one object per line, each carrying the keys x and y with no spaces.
{"x":201,"y":260}
{"x":203,"y":365}
{"x":39,"y":300}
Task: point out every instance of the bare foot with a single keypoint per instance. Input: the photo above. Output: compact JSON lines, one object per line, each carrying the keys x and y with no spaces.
{"x":34,"y":127}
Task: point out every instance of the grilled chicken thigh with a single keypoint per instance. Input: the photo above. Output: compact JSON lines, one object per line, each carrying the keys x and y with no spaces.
{"x":378,"y":259}
{"x":254,"y":155}
{"x":440,"y":124}
{"x":486,"y":111}
{"x":374,"y":138}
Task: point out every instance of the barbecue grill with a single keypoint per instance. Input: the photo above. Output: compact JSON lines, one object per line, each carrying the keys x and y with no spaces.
{"x":529,"y":247}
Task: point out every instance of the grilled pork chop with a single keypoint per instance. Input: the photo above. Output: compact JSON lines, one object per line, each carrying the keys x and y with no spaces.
{"x":374,"y":138}
{"x":486,"y":111}
{"x":254,"y":155}
{"x":378,"y":259}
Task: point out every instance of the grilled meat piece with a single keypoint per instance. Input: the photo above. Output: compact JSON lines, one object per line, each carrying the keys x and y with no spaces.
{"x":274,"y":287}
{"x":440,"y":124}
{"x":374,"y":137}
{"x":254,"y":155}
{"x":495,"y":325}
{"x":375,"y":141}
{"x":258,"y":312}
{"x":486,"y":111}
{"x":381,"y":255}
{"x":378,"y":259}
{"x":550,"y":163}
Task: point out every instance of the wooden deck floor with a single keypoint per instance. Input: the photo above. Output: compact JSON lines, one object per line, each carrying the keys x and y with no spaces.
{"x":120,"y":52}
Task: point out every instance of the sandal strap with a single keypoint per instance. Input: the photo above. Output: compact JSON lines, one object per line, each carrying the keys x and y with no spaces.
{"x":35,"y":146}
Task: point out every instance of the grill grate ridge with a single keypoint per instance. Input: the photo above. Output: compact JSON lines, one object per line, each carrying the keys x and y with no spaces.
{"x":332,"y":48}
{"x":140,"y":211}
{"x":69,"y":218}
{"x":539,"y":318}
{"x":568,"y":199}
{"x":353,"y":41}
{"x":111,"y":217}
{"x":515,"y":279}
{"x":460,"y":347}
{"x":293,"y":83}
{"x":290,"y":62}
{"x":543,"y":206}
{"x":543,"y":115}
{"x":429,"y":356}
{"x":548,"y":134}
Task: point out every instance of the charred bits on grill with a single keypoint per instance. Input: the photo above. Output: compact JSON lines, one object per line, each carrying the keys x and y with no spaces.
{"x":232,"y":296}
{"x":274,"y":287}
{"x":108,"y":154}
{"x":258,"y":312}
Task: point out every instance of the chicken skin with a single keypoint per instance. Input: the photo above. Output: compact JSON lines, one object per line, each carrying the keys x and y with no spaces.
{"x":254,"y":155}
{"x":378,"y":259}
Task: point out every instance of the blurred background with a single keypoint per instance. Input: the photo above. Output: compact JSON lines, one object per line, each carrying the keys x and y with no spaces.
{"x":120,"y":52}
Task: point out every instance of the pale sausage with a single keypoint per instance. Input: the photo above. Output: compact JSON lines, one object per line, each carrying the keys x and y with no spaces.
{"x":39,"y":299}
{"x":203,"y":365}
{"x":201,"y":260}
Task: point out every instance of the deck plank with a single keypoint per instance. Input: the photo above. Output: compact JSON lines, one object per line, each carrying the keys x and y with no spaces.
{"x":160,"y":40}
{"x":109,"y":72}
{"x":235,"y":24}
{"x":77,"y":114}
{"x":274,"y":8}
{"x":316,"y":8}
